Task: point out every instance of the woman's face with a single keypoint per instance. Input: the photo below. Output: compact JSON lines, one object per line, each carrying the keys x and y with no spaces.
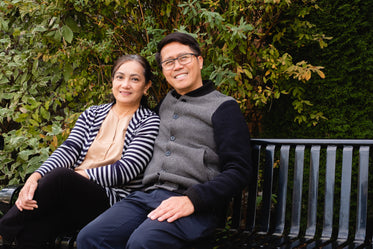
{"x":129,"y":84}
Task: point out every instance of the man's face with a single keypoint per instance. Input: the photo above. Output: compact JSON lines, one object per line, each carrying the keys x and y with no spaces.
{"x":183,"y":78}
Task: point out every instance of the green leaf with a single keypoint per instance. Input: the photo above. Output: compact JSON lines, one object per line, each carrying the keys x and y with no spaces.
{"x":3,"y":80}
{"x":67,"y":33}
{"x":25,"y":154}
{"x":20,"y":117}
{"x":38,"y":29}
{"x":44,"y":113}
{"x":56,"y":130}
{"x":7,"y":95}
{"x":68,"y":71}
{"x":34,"y":122}
{"x":35,"y":67}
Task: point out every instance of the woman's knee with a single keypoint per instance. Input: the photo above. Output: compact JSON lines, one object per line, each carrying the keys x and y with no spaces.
{"x":58,"y":172}
{"x":55,"y":176}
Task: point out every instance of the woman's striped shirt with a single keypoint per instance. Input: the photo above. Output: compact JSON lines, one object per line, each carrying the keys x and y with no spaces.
{"x":123,"y":176}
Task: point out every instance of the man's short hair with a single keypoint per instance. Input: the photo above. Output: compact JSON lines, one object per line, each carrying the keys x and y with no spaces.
{"x":182,"y":38}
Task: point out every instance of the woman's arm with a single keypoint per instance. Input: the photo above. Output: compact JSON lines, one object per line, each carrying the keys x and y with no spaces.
{"x":67,"y":153}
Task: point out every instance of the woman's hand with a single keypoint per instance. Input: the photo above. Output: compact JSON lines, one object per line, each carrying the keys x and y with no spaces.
{"x":25,"y":198}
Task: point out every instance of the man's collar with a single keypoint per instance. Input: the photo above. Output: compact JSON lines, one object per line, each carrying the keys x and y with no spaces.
{"x":206,"y":88}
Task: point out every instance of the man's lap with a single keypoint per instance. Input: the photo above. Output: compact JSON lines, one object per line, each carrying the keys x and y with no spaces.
{"x":127,"y":220}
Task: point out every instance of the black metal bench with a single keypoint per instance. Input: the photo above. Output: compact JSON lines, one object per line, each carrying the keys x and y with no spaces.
{"x":297,"y":209}
{"x":309,"y":193}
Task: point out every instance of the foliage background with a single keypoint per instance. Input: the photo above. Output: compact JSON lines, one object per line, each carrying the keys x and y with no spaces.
{"x":56,"y":57}
{"x":345,"y":97}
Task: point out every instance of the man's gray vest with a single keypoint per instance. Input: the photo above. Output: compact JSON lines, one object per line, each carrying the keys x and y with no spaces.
{"x":185,"y":151}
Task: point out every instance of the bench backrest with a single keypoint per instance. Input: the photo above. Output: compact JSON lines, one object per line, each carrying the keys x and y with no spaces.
{"x":314,"y":188}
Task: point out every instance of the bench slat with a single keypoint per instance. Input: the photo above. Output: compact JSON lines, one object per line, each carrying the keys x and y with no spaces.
{"x":297,"y":191}
{"x":344,"y":213}
{"x":362,"y":201}
{"x":282,"y":192}
{"x":313,"y":191}
{"x":331,"y":155}
{"x":264,"y":220}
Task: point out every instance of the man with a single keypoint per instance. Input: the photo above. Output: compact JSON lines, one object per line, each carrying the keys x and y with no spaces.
{"x":201,"y":158}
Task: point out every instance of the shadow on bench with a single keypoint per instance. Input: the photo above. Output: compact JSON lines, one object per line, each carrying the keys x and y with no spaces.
{"x":310,"y":193}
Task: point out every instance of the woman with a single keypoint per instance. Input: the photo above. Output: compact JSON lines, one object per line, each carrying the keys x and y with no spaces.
{"x":100,"y":163}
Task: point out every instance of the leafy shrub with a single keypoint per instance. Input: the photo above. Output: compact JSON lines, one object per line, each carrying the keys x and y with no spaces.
{"x":57,"y":56}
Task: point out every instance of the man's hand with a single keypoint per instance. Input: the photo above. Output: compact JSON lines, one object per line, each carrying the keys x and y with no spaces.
{"x":25,"y":198}
{"x":172,"y":209}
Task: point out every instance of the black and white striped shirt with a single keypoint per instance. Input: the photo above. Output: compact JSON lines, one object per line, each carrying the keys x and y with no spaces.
{"x":123,"y":176}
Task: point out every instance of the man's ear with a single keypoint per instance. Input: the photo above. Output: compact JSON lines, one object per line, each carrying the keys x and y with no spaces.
{"x":200,"y":62}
